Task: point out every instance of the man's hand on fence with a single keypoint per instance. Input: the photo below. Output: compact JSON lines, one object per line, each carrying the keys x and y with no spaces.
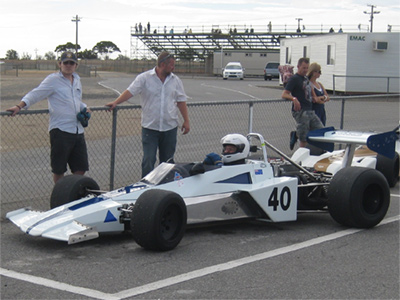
{"x":14,"y":110}
{"x":111,"y":105}
{"x":126,"y":95}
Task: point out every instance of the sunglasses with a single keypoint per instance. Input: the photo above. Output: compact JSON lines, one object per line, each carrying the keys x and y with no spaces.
{"x":69,"y":63}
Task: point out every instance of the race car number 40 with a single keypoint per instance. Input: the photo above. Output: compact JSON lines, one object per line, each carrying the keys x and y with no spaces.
{"x":283,"y":201}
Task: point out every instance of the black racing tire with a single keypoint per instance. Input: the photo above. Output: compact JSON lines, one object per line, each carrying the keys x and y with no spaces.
{"x":389,"y":167}
{"x":358,"y":197}
{"x":72,"y":187}
{"x":158,"y":220}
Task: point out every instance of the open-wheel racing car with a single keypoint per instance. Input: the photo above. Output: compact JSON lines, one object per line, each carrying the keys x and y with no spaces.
{"x":367,"y":149}
{"x":158,"y":208}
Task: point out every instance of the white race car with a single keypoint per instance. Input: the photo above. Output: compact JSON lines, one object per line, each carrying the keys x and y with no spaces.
{"x":158,"y":208}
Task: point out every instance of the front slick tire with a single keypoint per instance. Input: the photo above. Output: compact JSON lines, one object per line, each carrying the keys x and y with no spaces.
{"x":72,"y":187}
{"x":358,"y":197}
{"x":158,"y":220}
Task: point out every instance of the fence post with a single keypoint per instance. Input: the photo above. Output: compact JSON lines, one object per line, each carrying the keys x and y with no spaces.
{"x":333,"y":86}
{"x":113,"y":146}
{"x":251,"y":104}
{"x":342,"y":113}
{"x":387,"y":88}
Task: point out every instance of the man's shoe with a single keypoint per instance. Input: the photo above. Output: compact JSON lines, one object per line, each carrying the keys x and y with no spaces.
{"x":293,"y":139}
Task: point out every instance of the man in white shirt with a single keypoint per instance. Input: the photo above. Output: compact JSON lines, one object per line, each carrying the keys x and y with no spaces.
{"x":162,"y":95}
{"x":63,"y":91}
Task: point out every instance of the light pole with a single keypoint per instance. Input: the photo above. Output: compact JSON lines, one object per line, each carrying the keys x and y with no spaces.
{"x":298,"y":24}
{"x":371,"y":19}
{"x":76,"y":20}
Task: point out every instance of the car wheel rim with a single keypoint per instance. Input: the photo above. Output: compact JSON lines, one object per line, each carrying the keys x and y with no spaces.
{"x":372,"y":200}
{"x":170,"y":222}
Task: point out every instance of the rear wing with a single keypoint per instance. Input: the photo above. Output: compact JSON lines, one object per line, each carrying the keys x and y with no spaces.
{"x":382,"y":143}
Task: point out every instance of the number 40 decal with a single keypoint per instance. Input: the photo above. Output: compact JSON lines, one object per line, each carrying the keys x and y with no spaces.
{"x":283,"y":201}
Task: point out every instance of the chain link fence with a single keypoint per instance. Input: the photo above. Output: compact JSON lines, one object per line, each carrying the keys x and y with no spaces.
{"x":114,"y":139}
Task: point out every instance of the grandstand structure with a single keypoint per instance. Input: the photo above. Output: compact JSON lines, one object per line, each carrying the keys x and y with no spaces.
{"x":200,"y":44}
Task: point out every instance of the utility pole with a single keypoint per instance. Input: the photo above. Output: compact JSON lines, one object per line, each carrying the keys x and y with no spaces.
{"x":298,"y":24}
{"x":371,"y":19}
{"x":76,"y":20}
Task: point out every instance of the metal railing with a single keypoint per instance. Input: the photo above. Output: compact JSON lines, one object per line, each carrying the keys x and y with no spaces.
{"x":361,"y":83}
{"x":114,"y":139}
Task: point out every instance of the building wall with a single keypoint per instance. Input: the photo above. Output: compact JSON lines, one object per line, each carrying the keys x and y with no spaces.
{"x":364,"y":60}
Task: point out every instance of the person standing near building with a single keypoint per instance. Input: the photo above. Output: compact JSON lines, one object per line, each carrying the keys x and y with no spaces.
{"x":298,"y":90}
{"x":319,"y":94}
{"x":162,"y":95}
{"x":64,"y":93}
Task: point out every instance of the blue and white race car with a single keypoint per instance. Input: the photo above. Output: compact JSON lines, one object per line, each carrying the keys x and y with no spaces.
{"x":158,"y":208}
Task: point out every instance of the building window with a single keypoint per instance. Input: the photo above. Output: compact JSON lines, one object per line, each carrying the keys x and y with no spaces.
{"x":330,"y":55}
{"x":305,"y":51}
{"x":263,"y":54}
{"x":288,"y":56}
{"x":249,"y":54}
{"x":228,"y":54}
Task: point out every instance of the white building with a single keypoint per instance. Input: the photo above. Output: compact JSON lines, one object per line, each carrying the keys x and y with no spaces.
{"x":350,"y":62}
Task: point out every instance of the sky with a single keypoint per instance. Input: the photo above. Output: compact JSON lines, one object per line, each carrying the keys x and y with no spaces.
{"x":36,"y":27}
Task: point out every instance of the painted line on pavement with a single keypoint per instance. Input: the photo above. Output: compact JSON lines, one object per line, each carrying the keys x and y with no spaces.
{"x":57,"y":285}
{"x":231,"y":90}
{"x":109,"y":88}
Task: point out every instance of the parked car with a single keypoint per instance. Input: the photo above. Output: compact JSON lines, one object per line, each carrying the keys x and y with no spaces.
{"x":271,"y":71}
{"x":233,"y":70}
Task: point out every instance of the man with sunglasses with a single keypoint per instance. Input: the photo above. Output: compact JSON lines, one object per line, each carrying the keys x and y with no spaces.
{"x":162,"y":96}
{"x":63,"y":90}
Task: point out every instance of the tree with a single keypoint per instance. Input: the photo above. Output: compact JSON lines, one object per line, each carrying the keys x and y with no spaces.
{"x":87,"y":54}
{"x":26,"y":56}
{"x":66,"y":47}
{"x":12,"y":54}
{"x":122,"y":57}
{"x":49,"y":55}
{"x":105,"y":47}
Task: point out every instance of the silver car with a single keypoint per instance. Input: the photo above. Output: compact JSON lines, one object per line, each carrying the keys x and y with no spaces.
{"x":233,"y":70}
{"x":271,"y":71}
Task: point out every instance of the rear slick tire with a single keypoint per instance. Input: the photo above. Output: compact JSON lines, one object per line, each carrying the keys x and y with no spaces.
{"x":358,"y":197}
{"x":389,"y":168}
